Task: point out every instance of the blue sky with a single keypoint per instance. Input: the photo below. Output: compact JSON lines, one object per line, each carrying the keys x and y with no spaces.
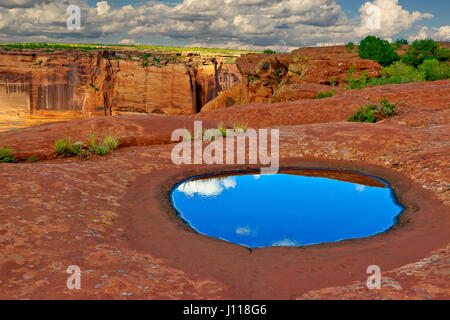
{"x":281,"y":25}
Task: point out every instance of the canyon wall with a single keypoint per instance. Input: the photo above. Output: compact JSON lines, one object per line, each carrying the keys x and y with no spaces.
{"x":301,"y":74}
{"x":44,"y":85}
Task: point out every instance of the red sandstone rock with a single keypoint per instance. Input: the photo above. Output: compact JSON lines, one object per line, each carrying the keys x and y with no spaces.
{"x":72,"y":84}
{"x":287,"y":77}
{"x":420,"y":104}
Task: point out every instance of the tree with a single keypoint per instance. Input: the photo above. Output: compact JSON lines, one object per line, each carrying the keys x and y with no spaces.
{"x":421,"y":50}
{"x":374,"y":48}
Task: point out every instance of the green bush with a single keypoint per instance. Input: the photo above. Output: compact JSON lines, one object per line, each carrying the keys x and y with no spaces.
{"x":7,"y":155}
{"x":365,"y":114}
{"x":102,"y":150}
{"x":353,"y":83}
{"x":399,"y":72}
{"x":374,"y":48}
{"x":434,"y":70}
{"x":387,"y":109}
{"x":372,"y":113}
{"x":396,"y":73}
{"x":268,"y":51}
{"x":421,"y":50}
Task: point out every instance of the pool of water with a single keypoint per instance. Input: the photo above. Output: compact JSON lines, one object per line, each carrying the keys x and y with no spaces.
{"x":292,"y":208}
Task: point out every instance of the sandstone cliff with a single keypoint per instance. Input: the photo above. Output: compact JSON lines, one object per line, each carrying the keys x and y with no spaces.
{"x":42,"y":85}
{"x":302,"y":74}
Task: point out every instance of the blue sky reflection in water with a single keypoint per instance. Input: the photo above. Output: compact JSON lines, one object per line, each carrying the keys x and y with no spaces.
{"x":284,"y":209}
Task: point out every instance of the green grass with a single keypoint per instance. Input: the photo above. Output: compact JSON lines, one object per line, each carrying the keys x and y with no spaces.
{"x":327,"y":94}
{"x":111,"y":141}
{"x":67,"y":148}
{"x":7,"y":155}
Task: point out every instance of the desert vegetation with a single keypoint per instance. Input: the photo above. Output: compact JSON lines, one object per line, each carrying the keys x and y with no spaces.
{"x":373,"y":113}
{"x":326,"y":94}
{"x":7,"y":155}
{"x":424,"y":60}
{"x":68,"y":148}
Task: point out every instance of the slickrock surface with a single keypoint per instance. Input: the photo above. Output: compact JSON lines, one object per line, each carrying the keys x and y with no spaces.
{"x":420,"y":104}
{"x":39,"y":142}
{"x":111,"y":215}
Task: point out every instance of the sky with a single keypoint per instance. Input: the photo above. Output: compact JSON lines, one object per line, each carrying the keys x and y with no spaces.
{"x":281,"y":25}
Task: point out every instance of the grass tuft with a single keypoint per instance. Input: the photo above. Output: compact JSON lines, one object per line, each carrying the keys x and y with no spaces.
{"x":7,"y":155}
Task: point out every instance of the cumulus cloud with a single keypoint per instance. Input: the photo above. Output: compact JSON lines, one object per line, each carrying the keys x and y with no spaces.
{"x":243,"y":231}
{"x":246,"y":24}
{"x":207,"y":187}
{"x":438,"y":34}
{"x":285,"y":243}
{"x":393,"y":18}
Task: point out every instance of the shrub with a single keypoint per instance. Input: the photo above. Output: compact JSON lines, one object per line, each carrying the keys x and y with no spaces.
{"x":365,"y":114}
{"x":7,"y":155}
{"x":102,"y":150}
{"x":434,"y":70}
{"x":387,"y":109}
{"x":374,"y":48}
{"x":327,"y":94}
{"x":353,"y":83}
{"x":396,"y":73}
{"x":350,"y":47}
{"x":372,"y":113}
{"x":421,"y":50}
{"x":401,"y":73}
{"x":268,"y":51}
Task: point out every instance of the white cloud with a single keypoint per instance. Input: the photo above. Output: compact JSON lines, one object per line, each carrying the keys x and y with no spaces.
{"x":281,"y":25}
{"x":359,"y":188}
{"x":438,"y":34}
{"x":285,"y":243}
{"x":394,"y":19}
{"x":102,"y":8}
{"x":243,"y":231}
{"x":207,"y":187}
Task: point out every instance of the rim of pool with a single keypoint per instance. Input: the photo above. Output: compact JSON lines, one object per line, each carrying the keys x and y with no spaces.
{"x":283,"y":171}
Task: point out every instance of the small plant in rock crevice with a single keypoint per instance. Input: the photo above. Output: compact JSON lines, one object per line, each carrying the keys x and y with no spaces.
{"x":327,"y":94}
{"x":7,"y":155}
{"x":67,"y":148}
{"x":373,"y":113}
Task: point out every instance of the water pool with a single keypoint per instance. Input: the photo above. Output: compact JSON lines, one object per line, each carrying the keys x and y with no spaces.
{"x":295,"y":207}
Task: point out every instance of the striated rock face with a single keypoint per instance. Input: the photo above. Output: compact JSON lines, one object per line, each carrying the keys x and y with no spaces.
{"x":301,"y":74}
{"x":41,"y":86}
